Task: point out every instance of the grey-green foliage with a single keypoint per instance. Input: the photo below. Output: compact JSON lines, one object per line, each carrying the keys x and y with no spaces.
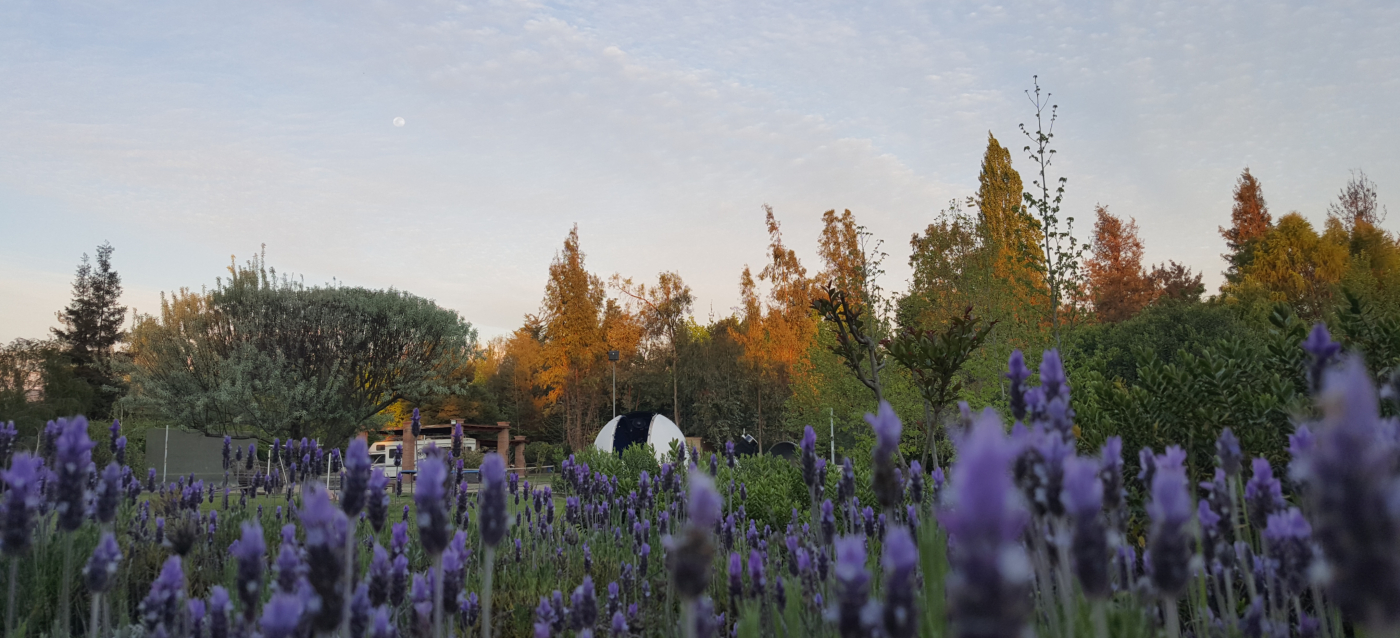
{"x":275,"y":358}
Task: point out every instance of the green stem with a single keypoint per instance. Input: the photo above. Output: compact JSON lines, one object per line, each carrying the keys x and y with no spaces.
{"x":490,"y":565}
{"x":1100,"y":618}
{"x":437,"y":596}
{"x":1173,"y":621}
{"x":65,"y":606}
{"x":348,"y":587}
{"x":93,"y":615}
{"x":687,"y":619}
{"x":10,"y":606}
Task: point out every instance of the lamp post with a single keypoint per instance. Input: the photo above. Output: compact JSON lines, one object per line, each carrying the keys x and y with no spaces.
{"x":613,"y":356}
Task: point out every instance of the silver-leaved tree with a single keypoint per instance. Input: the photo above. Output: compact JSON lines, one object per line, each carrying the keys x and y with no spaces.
{"x":272,"y":357}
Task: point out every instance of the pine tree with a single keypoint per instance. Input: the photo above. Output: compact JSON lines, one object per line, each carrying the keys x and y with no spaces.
{"x":1119,"y":285}
{"x":92,"y":327}
{"x":1249,"y":222}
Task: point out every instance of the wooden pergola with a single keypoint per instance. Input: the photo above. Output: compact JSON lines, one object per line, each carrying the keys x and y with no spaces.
{"x":504,"y":441}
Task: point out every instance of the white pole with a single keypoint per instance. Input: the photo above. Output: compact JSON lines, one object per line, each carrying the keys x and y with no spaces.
{"x":831,"y":412}
{"x":165,"y":467}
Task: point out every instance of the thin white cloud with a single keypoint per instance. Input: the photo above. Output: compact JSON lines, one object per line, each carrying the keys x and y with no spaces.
{"x":186,"y":134}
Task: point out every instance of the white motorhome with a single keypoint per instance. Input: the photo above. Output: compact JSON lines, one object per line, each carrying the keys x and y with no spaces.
{"x":380,"y":456}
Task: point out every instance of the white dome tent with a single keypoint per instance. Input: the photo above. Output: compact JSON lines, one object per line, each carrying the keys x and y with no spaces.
{"x":639,"y":428}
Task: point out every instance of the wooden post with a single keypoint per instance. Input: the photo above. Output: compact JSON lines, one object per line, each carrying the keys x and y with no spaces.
{"x":503,"y":441}
{"x":520,"y":453}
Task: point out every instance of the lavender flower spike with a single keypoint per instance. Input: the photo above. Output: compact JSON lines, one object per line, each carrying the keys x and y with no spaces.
{"x":852,"y":587}
{"x":1083,"y":500}
{"x":809,"y":457}
{"x":1170,"y":511}
{"x":357,"y":466}
{"x":887,"y":432}
{"x":1263,"y":494}
{"x":73,"y":455}
{"x":326,"y":527}
{"x":691,"y":554}
{"x":900,"y":561}
{"x":21,"y":503}
{"x":989,"y":583}
{"x":1320,"y":345}
{"x":1017,"y":373}
{"x":281,"y":616}
{"x":377,"y":503}
{"x":1290,"y":546}
{"x":249,"y":553}
{"x":1351,"y":492}
{"x":432,"y":509}
{"x":493,"y":499}
{"x":162,"y":605}
{"x":103,"y":565}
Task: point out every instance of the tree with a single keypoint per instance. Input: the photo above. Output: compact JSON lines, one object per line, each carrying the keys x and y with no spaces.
{"x":850,"y":300}
{"x":1009,"y":230}
{"x":1062,"y":252}
{"x":840,"y":247}
{"x":1175,"y":281}
{"x":665,"y":309}
{"x":935,"y":358}
{"x":1357,"y":203}
{"x":574,"y":341}
{"x":1119,"y":285}
{"x":92,"y":327}
{"x":1249,"y":222}
{"x":1291,"y":263}
{"x":775,"y":333}
{"x":272,"y":357}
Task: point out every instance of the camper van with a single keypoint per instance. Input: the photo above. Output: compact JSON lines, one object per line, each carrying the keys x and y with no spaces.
{"x":380,"y":457}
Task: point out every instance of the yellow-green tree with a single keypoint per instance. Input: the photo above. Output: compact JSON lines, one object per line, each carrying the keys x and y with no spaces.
{"x":574,"y":343}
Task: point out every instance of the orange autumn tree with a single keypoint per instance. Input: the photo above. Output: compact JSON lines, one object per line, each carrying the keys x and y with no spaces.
{"x":574,"y":347}
{"x":776,"y":335}
{"x":1249,"y":222}
{"x":1117,"y":281}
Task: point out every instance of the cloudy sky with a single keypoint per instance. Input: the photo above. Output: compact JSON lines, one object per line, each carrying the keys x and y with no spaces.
{"x":189,"y":132}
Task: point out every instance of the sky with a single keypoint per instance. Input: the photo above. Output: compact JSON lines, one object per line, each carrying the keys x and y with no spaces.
{"x":188,"y":134}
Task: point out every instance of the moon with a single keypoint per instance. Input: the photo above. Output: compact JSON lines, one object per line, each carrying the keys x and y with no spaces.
{"x":398,"y":121}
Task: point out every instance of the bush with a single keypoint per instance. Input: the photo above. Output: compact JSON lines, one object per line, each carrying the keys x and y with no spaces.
{"x":542,"y":453}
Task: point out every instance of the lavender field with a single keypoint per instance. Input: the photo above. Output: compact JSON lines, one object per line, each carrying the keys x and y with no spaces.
{"x":1026,"y":533}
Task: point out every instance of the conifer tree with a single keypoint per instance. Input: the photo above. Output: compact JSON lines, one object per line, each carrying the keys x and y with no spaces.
{"x":92,"y":327}
{"x":1249,"y":222}
{"x":1117,"y":281}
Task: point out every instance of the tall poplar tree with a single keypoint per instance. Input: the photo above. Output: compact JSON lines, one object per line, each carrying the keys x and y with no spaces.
{"x":575,"y":342}
{"x":1010,"y":232}
{"x":1249,"y":222}
{"x":92,"y":327}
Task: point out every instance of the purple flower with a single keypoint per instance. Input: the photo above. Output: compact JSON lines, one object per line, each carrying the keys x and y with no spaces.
{"x":281,"y":616}
{"x":249,"y":552}
{"x":326,"y":527}
{"x":8,"y":434}
{"x":493,"y":499}
{"x":1111,"y":476}
{"x":583,"y":611}
{"x":1320,"y":345}
{"x":73,"y":455}
{"x":432,"y":511}
{"x":1170,"y":511}
{"x":1083,"y":500}
{"x":379,"y":576}
{"x":417,"y":425}
{"x":809,"y":457}
{"x":1017,"y":373}
{"x":359,"y":611}
{"x":704,"y":504}
{"x":470,"y":608}
{"x":218,"y":612}
{"x":988,"y":587}
{"x":21,"y":502}
{"x":690,"y":554}
{"x":1351,"y":492}
{"x":357,"y":466}
{"x":852,"y":587}
{"x":377,"y":502}
{"x":398,"y":538}
{"x":736,"y":577}
{"x":423,"y":605}
{"x":619,"y":624}
{"x":162,"y":605}
{"x":1263,"y":494}
{"x":900,"y":560}
{"x":885,"y":480}
{"x":108,"y":495}
{"x":103,"y":565}
{"x":1290,"y":546}
{"x":398,"y":580}
{"x":1227,"y":451}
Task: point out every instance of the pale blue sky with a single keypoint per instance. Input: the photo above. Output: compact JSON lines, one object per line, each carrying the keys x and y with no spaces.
{"x":186,"y":132}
